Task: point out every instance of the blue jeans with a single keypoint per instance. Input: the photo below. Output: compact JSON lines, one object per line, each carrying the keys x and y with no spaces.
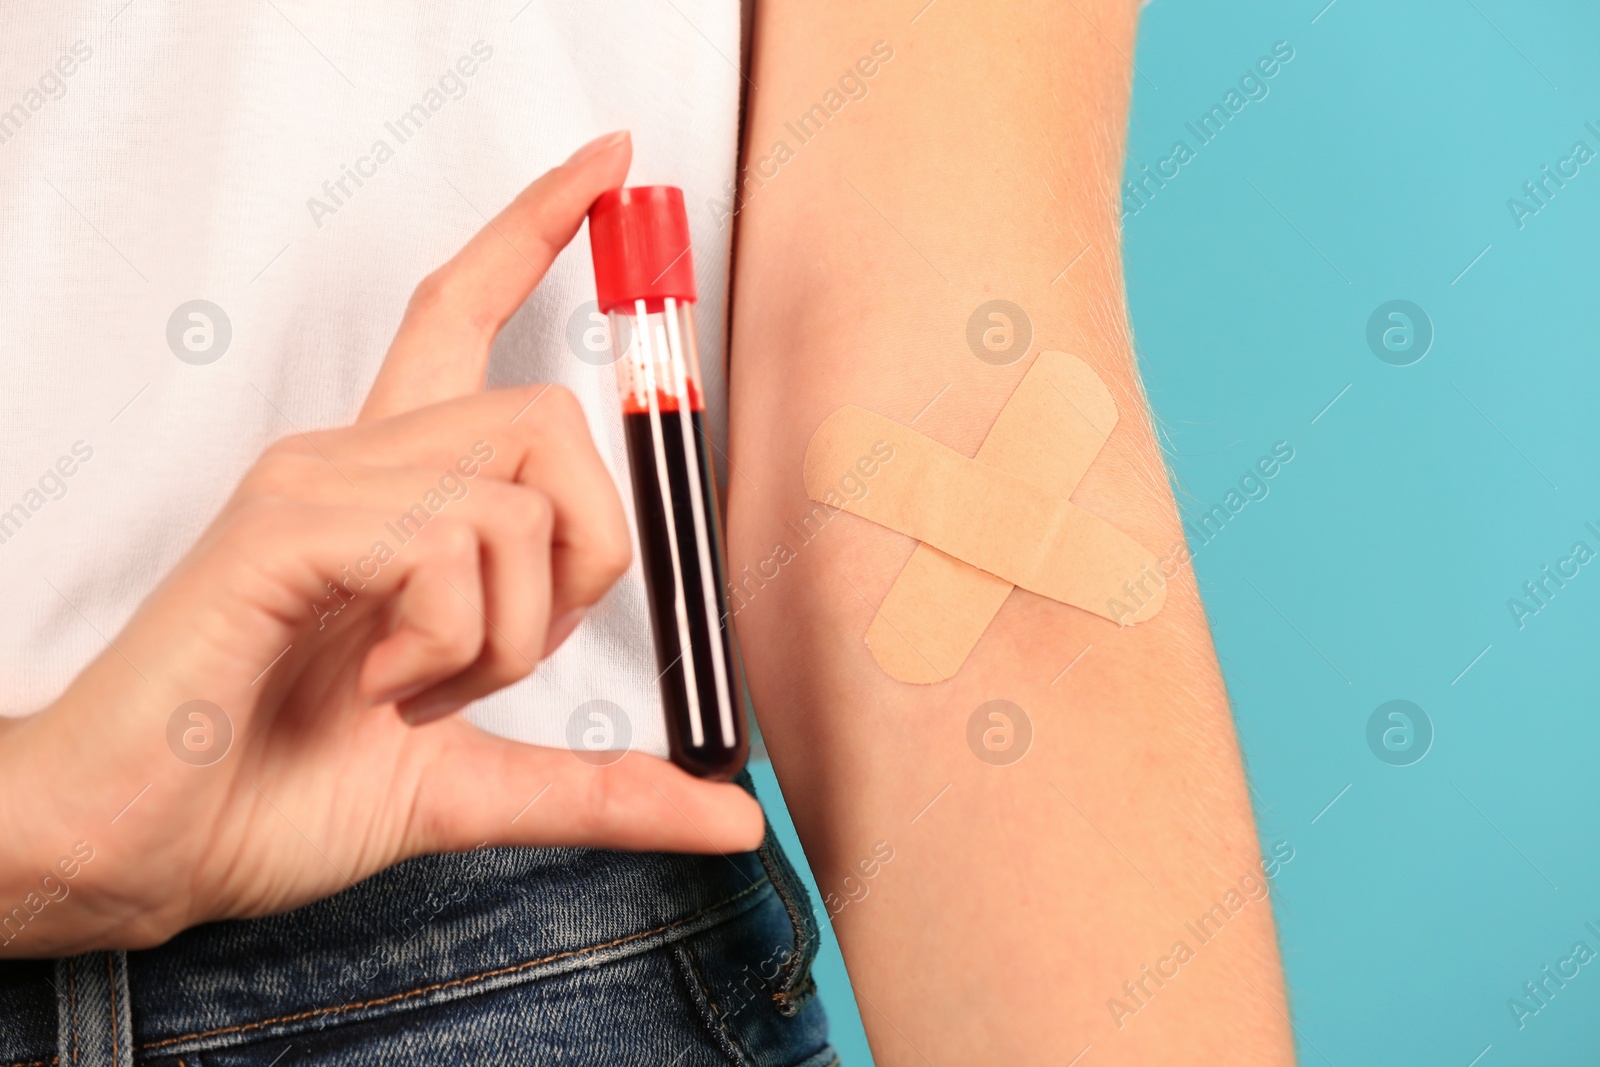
{"x":499,"y":956}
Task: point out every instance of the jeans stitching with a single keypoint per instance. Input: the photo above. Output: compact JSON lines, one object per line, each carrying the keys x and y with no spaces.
{"x":470,"y":979}
{"x":796,"y":987}
{"x":111,"y":1004}
{"x":710,"y":1011}
{"x":72,"y":996}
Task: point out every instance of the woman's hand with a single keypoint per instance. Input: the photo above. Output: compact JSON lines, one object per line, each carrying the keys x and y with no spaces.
{"x":360,"y":584}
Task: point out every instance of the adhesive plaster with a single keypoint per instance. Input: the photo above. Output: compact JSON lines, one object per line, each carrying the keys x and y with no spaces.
{"x":989,"y":523}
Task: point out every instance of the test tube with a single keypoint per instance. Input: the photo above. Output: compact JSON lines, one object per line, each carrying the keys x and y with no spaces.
{"x":644,"y":274}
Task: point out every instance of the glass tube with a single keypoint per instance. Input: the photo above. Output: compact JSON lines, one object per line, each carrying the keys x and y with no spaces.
{"x":680,"y":539}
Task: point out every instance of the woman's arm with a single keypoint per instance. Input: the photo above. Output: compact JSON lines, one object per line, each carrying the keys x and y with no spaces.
{"x":904,"y":168}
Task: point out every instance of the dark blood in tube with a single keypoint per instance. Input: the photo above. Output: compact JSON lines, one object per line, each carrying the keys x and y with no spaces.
{"x":645,"y":276}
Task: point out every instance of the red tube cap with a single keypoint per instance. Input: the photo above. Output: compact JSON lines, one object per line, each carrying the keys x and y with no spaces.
{"x":640,"y":240}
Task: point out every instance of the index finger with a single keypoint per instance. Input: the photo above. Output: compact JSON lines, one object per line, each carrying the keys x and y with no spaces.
{"x":536,"y":436}
{"x":442,"y":348}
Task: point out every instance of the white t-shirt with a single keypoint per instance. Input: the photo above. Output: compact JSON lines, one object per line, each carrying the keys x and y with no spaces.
{"x":163,"y":153}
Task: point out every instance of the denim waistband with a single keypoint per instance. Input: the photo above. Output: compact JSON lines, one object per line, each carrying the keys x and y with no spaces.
{"x":421,"y":933}
{"x":446,"y":926}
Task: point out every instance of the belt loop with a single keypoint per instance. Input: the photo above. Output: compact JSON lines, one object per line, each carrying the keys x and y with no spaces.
{"x":795,"y":985}
{"x":94,"y":1022}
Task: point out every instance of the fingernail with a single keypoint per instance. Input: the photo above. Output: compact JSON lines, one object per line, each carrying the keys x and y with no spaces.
{"x":425,"y":711}
{"x":562,"y":628}
{"x":596,"y":146}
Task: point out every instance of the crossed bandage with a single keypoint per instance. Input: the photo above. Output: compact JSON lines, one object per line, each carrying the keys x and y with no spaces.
{"x":986,"y":524}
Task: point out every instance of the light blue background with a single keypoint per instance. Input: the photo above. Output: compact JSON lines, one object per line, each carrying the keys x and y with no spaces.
{"x":1381,"y":563}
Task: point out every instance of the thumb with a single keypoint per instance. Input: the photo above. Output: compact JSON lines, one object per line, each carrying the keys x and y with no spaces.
{"x":479,"y":788}
{"x":442,"y":349}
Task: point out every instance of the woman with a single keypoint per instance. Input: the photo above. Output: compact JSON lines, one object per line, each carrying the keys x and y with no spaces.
{"x":222,"y":214}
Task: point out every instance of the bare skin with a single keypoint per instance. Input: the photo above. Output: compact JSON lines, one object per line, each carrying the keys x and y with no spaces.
{"x":981,"y":163}
{"x":345,"y":756}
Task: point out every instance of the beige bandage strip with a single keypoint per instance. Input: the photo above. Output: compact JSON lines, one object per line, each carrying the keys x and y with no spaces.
{"x":988,"y":523}
{"x":1048,"y":433}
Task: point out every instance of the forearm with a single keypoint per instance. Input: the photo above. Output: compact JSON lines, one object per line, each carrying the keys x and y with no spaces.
{"x":982,"y":164}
